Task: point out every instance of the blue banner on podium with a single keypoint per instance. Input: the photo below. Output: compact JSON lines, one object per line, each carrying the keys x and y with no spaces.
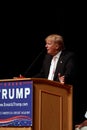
{"x":16,"y":103}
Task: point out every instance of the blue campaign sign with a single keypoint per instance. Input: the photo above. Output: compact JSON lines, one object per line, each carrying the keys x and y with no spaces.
{"x":16,"y":103}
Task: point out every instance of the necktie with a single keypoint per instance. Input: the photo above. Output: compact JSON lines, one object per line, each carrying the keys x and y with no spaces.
{"x":52,"y":68}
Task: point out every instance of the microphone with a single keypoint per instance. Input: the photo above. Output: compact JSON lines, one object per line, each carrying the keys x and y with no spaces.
{"x":35,"y":60}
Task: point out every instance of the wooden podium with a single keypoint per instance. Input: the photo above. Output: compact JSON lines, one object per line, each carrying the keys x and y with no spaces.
{"x":52,"y":105}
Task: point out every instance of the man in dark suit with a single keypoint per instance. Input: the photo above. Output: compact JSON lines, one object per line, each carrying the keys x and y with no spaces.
{"x":64,"y":67}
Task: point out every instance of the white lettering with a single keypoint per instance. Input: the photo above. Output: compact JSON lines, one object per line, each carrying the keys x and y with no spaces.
{"x":27,"y":92}
{"x":11,"y":93}
{"x":4,"y":93}
{"x":18,"y":93}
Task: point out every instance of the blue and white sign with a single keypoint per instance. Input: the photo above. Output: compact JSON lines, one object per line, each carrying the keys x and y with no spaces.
{"x":16,"y":103}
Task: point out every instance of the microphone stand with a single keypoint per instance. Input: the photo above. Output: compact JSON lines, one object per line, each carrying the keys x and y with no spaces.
{"x":33,"y":62}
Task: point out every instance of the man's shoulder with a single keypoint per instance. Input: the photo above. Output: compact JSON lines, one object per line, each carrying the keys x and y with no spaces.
{"x":67,"y":53}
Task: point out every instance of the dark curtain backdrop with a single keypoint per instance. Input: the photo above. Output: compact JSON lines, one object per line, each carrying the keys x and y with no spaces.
{"x":24,"y":27}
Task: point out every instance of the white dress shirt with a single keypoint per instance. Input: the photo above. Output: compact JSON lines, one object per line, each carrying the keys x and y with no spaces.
{"x":86,"y":115}
{"x":53,"y":66}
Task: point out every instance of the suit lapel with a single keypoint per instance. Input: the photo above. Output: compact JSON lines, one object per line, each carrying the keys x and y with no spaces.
{"x":48,"y":65}
{"x":58,"y":68}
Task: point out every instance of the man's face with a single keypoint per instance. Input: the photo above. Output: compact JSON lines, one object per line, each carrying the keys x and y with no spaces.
{"x":52,"y":48}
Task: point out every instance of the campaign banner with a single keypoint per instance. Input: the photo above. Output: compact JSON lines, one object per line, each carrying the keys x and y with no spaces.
{"x":16,"y":103}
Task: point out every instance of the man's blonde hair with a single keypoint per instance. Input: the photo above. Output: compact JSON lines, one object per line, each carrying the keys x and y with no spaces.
{"x":56,"y":39}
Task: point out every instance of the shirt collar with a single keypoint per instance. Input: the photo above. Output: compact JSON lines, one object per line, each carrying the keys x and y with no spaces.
{"x":58,"y":54}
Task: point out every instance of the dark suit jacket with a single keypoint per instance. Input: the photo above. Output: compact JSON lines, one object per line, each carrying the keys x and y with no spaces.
{"x":65,"y":66}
